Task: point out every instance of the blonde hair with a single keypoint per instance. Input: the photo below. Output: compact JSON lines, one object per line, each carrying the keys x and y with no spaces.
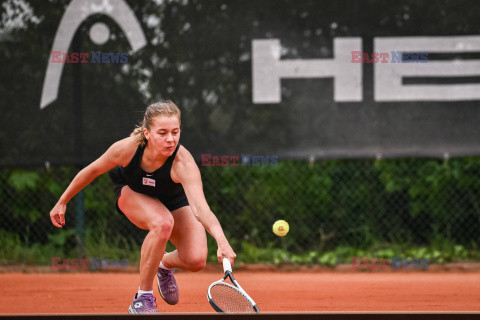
{"x":167,"y":108}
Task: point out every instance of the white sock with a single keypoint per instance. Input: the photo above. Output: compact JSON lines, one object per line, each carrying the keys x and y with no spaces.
{"x":163,"y":266}
{"x":142,"y":292}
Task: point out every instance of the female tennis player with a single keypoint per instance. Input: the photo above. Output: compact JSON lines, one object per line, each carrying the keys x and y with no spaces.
{"x":159,"y":188}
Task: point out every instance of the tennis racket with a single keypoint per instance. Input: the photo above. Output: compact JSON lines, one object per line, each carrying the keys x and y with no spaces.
{"x":227,"y":298}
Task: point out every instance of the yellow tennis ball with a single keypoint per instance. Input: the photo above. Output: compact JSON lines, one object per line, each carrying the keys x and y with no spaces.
{"x":280,"y":228}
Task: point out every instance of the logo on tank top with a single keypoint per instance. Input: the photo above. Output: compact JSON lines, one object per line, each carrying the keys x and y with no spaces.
{"x":148,"y":182}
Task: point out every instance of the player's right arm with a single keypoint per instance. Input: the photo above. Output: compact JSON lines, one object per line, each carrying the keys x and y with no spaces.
{"x":120,"y":153}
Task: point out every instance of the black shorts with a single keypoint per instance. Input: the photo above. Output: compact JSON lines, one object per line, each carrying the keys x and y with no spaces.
{"x":171,"y":203}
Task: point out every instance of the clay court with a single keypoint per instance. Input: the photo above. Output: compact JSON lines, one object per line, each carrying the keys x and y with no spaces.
{"x":83,"y":293}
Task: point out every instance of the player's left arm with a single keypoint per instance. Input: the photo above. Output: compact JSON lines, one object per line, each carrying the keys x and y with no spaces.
{"x":186,"y":172}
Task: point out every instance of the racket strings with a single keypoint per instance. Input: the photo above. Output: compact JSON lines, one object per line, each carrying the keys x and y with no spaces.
{"x":230,"y":300}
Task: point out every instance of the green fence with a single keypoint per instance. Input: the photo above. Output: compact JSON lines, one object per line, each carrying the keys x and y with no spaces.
{"x":336,"y":209}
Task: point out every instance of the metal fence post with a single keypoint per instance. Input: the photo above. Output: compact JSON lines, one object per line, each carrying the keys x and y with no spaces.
{"x":78,"y":144}
{"x":80,"y":223}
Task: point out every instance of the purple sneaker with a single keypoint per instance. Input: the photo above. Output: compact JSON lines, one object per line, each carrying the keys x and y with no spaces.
{"x":146,"y":303}
{"x":167,"y":286}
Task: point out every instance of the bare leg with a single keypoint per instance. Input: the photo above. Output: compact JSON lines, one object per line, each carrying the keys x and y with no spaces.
{"x":153,"y":249}
{"x":189,"y":237}
{"x":150,"y":214}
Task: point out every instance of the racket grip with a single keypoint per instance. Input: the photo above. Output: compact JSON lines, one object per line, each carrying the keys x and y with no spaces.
{"x":226,"y":265}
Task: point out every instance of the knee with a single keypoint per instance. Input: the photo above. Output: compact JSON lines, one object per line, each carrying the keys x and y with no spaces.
{"x":162,"y":227}
{"x":196,"y":262}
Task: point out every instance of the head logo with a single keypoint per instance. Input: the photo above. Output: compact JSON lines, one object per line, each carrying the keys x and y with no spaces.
{"x":77,"y":12}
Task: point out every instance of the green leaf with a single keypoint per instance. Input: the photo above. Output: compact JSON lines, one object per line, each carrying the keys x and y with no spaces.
{"x":22,"y":180}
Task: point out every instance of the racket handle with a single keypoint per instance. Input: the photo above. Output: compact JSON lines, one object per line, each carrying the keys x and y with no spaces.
{"x":226,"y":265}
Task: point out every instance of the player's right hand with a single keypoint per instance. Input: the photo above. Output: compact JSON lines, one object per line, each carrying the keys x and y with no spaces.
{"x":57,"y":215}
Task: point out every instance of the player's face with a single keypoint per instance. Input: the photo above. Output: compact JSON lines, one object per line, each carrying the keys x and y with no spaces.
{"x":164,"y":134}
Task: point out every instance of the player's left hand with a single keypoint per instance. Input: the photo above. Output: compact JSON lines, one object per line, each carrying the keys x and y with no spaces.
{"x":225,"y":251}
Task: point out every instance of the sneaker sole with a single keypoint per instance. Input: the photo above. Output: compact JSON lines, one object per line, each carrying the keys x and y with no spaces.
{"x":131,"y":310}
{"x":161,"y":295}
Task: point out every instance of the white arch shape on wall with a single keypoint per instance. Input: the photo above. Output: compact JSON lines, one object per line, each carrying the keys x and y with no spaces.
{"x":76,"y":12}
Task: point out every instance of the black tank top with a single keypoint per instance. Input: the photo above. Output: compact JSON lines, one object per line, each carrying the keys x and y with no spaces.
{"x":155,"y":184}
